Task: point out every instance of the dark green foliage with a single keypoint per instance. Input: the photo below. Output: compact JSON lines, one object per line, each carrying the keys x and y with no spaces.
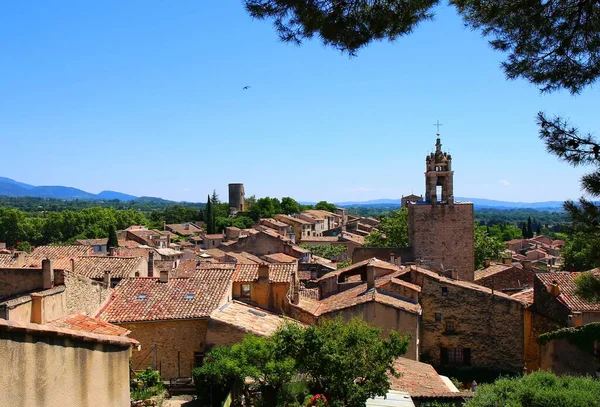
{"x":265,"y":208}
{"x":24,"y":247}
{"x":242,"y":222}
{"x":583,"y":337}
{"x":113,"y":240}
{"x":328,"y":252}
{"x":588,"y":287}
{"x":289,"y":206}
{"x":209,"y":217}
{"x":393,"y":231}
{"x":486,"y":247}
{"x":345,"y":25}
{"x":146,"y":384}
{"x":538,"y":389}
{"x":582,"y":251}
{"x":325,"y":206}
{"x":343,"y":264}
{"x":347,"y":362}
{"x":529,"y":229}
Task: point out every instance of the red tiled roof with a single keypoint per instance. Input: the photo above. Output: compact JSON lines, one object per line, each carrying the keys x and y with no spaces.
{"x":281,"y":258}
{"x":278,"y":272}
{"x":250,"y":319}
{"x":216,"y":236}
{"x":566,"y":283}
{"x":491,"y":270}
{"x":48,"y":330}
{"x":147,"y":299}
{"x":60,"y":255}
{"x":9,"y":260}
{"x":95,"y":266}
{"x":82,"y":322}
{"x":288,"y":218}
{"x":525,"y":296}
{"x":180,"y":228}
{"x":420,"y":380}
{"x":92,"y":242}
{"x":368,"y":262}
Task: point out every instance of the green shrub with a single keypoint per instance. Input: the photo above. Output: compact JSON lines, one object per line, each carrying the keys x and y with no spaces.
{"x":541,"y":389}
{"x":149,"y":377}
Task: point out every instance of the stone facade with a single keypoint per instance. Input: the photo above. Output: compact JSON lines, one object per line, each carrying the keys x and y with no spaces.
{"x":562,"y":358}
{"x":177,"y":342}
{"x":443,"y":236}
{"x":84,"y":294}
{"x":509,"y":279}
{"x":265,"y":294}
{"x":482,"y":328}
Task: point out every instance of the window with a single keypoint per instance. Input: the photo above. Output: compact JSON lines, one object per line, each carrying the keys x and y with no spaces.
{"x":198,"y":359}
{"x":444,"y":290}
{"x":438,"y":317}
{"x":142,"y":296}
{"x":455,"y":356}
{"x":245,"y":290}
{"x":189,"y":296}
{"x":450,"y":326}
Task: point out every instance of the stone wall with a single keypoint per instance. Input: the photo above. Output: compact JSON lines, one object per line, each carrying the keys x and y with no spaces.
{"x":535,"y":324}
{"x":44,"y":368}
{"x":563,"y":358}
{"x":443,"y":235}
{"x":258,"y":244}
{"x":511,"y":278}
{"x":546,"y":304}
{"x":491,"y":326}
{"x":219,"y":333}
{"x":172,"y":338}
{"x":272,"y":296}
{"x":382,"y":253}
{"x":84,"y":294}
{"x":19,"y":280}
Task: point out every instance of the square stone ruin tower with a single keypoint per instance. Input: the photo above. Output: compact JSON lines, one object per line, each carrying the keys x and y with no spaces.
{"x":441,"y":231}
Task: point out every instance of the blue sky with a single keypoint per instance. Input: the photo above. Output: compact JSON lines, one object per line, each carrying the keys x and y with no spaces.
{"x":145,"y":97}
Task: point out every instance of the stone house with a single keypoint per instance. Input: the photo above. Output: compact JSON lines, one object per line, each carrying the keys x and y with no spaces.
{"x":169,"y":316}
{"x":150,"y":238}
{"x":56,"y":366}
{"x":280,"y":227}
{"x":212,"y":241}
{"x":98,"y":245}
{"x":301,"y":228}
{"x":184,"y":229}
{"x":60,"y":255}
{"x":118,"y":268}
{"x":506,"y":277}
{"x":465,"y":324}
{"x":40,"y":295}
{"x":265,"y":285}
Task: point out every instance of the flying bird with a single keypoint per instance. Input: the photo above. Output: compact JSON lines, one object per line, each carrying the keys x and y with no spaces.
{"x":246,"y":88}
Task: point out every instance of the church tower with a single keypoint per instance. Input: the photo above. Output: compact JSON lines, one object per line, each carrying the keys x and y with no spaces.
{"x":440,"y":230}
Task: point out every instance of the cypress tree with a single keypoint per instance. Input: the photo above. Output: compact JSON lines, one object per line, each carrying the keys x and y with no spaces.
{"x":209,"y":218}
{"x":113,"y":240}
{"x":524,"y":230}
{"x":529,"y":228}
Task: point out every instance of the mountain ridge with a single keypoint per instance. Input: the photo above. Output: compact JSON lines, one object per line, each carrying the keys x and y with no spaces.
{"x":12,"y":188}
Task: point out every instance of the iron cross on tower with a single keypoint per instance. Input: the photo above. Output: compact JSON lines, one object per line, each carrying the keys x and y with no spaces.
{"x":438,"y":124}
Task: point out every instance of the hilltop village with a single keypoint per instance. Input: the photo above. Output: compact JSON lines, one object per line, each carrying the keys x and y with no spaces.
{"x":164,"y":298}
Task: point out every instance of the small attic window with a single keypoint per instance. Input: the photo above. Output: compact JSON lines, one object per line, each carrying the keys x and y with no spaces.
{"x":142,"y":296}
{"x":190,"y":296}
{"x":257,"y":313}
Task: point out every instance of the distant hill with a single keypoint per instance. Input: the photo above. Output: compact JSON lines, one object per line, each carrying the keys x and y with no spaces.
{"x":477,"y":202}
{"x":10,"y":187}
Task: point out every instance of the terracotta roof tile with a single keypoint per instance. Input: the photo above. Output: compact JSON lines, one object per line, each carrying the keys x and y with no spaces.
{"x":281,"y":258}
{"x":525,"y":296}
{"x":60,"y":255}
{"x":291,"y":219}
{"x":92,"y":242}
{"x":368,"y":262}
{"x":490,"y":270}
{"x":566,"y":283}
{"x":119,"y":267}
{"x":278,"y":272}
{"x":184,"y":229}
{"x":251,"y":319}
{"x":82,"y":322}
{"x":9,"y":260}
{"x":420,"y":380}
{"x":215,"y":236}
{"x":147,"y":299}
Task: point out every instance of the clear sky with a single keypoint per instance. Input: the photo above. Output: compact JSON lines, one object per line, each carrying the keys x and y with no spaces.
{"x":145,"y":97}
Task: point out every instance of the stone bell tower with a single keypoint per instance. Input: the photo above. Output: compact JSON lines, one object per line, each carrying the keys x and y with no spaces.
{"x":440,"y":230}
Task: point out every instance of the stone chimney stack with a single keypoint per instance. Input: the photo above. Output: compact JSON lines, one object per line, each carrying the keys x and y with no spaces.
{"x":370,"y":276}
{"x":73,"y":265}
{"x":486,"y":263}
{"x":554,"y":288}
{"x":507,"y":261}
{"x":164,"y":276}
{"x":113,"y":251}
{"x":47,"y":274}
{"x":393,"y":258}
{"x":526,"y":265}
{"x":263,"y":271}
{"x":151,"y":263}
{"x":19,"y":259}
{"x":37,"y":308}
{"x":107,"y":278}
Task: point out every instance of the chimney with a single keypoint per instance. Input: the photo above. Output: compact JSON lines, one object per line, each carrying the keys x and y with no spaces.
{"x":164,"y":276}
{"x":73,"y":265}
{"x":107,"y":278}
{"x":47,"y":274}
{"x":526,"y":264}
{"x":393,"y":258}
{"x":370,"y":276}
{"x":554,"y":288}
{"x":486,"y":263}
{"x":263,"y":271}
{"x":151,"y":263}
{"x":507,"y":261}
{"x":37,"y":308}
{"x":113,"y":251}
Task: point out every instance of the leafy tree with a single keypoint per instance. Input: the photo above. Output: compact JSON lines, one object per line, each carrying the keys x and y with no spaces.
{"x":581,"y":253}
{"x":113,"y":240}
{"x":588,"y":286}
{"x":343,"y":264}
{"x":242,"y":222}
{"x":265,"y":208}
{"x":289,"y":206}
{"x":24,"y":247}
{"x":486,"y":247}
{"x":347,"y":362}
{"x":325,"y":206}
{"x":328,"y":252}
{"x":393,"y":231}
{"x":538,"y":389}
